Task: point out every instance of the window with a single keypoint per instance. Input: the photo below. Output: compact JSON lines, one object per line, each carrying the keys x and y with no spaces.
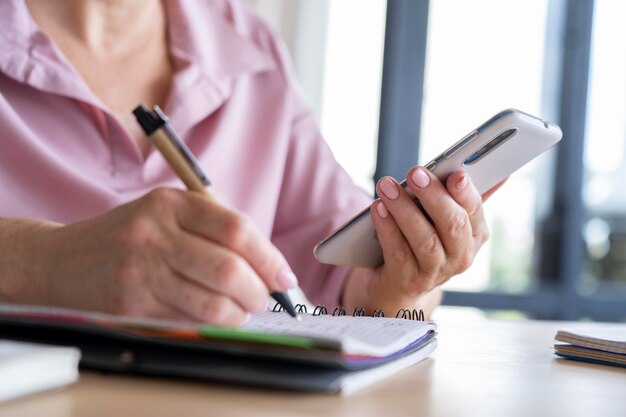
{"x":558,"y":247}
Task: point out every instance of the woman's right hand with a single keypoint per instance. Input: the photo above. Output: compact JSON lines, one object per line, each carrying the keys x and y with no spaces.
{"x":169,"y":254}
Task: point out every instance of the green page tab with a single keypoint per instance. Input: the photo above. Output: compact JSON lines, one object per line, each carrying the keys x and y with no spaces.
{"x":242,"y":335}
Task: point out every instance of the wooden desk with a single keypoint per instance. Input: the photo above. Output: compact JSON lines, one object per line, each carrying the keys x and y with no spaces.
{"x":481,"y":368}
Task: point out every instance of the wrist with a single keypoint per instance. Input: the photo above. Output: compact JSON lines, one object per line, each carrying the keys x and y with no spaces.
{"x":365,"y":289}
{"x":360,"y":292}
{"x":22,"y":260}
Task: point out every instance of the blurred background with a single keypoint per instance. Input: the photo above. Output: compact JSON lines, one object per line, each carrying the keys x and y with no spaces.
{"x":394,"y":82}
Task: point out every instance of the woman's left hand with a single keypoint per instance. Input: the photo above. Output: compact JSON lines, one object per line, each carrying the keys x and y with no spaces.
{"x":421,"y":249}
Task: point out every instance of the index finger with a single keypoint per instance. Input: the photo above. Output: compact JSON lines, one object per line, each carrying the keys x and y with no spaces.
{"x":460,"y":187}
{"x":235,"y":231}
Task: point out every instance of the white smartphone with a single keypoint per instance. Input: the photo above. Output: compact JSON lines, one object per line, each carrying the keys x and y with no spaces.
{"x":489,"y":154}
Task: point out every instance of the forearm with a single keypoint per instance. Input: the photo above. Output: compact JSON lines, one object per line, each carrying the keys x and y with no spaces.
{"x":22,"y":278}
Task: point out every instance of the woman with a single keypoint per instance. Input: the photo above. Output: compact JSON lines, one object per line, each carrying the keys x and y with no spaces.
{"x":81,"y":227}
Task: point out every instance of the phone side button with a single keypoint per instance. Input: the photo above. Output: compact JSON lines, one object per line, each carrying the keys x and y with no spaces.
{"x":460,"y":144}
{"x":431,"y":165}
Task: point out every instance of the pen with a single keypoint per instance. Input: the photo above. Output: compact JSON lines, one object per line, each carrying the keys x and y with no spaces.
{"x":156,"y":126}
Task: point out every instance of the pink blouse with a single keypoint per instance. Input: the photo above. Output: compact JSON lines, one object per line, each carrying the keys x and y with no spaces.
{"x":64,"y":156}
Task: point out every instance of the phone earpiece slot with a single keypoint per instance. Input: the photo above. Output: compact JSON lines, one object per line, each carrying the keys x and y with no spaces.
{"x":489,"y":147}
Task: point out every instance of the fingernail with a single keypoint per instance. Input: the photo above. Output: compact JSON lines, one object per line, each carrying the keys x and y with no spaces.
{"x":286,"y":279}
{"x":247,"y":318}
{"x":389,"y":189}
{"x":462,"y":183}
{"x":381,"y":209}
{"x":420,"y":178}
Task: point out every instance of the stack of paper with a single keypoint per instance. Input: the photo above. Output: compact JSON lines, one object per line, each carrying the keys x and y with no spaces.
{"x":605,"y":347}
{"x":26,"y":368}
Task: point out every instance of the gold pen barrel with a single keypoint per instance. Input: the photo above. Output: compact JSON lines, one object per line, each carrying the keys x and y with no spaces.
{"x":178,"y":163}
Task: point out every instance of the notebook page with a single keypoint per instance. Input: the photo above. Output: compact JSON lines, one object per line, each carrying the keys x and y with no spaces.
{"x":373,"y":336}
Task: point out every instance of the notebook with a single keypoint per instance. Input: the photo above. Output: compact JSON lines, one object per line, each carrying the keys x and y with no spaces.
{"x":26,"y":368}
{"x":324,"y":352}
{"x":607,"y":347}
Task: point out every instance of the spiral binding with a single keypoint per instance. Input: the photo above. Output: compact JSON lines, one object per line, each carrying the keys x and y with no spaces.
{"x":320,"y":310}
